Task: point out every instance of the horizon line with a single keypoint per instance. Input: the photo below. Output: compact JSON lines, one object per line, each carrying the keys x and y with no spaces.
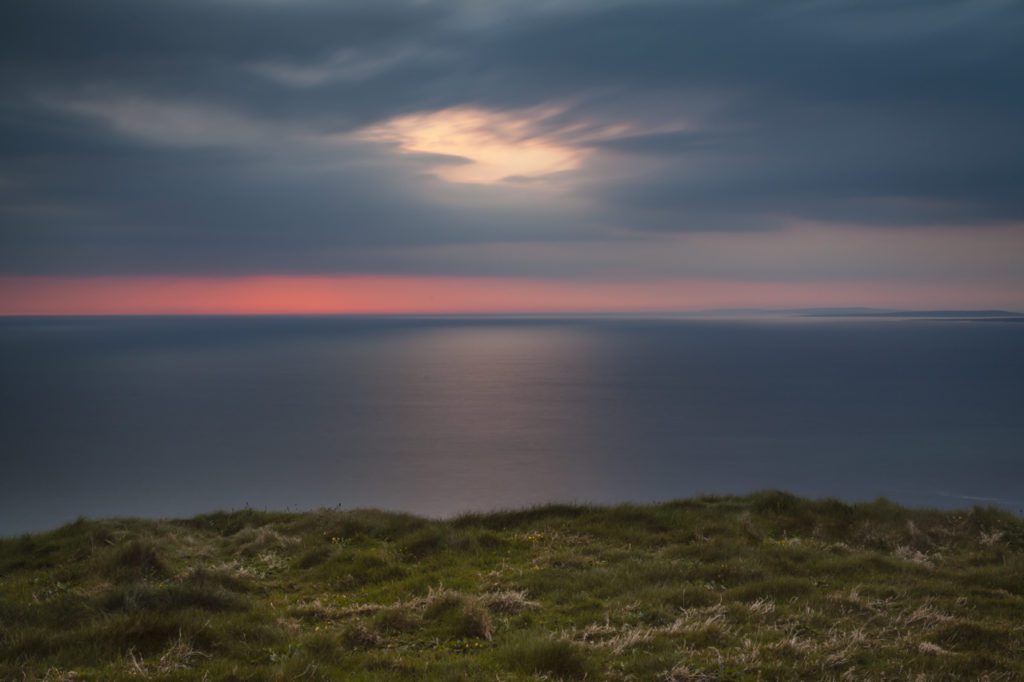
{"x":461,"y":295}
{"x":812,"y":311}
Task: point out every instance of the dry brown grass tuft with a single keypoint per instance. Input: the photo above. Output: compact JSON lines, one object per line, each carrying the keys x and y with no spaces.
{"x":931,"y":649}
{"x":178,"y":656}
{"x":508,"y":602}
{"x":254,"y":541}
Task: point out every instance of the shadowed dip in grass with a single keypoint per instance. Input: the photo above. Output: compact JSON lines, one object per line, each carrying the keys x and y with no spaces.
{"x":760,"y":587}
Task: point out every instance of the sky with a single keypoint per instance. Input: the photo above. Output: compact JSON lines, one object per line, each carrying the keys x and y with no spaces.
{"x":388,"y":156}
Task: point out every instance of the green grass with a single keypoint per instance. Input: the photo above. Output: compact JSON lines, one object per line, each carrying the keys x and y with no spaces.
{"x":768,"y":586}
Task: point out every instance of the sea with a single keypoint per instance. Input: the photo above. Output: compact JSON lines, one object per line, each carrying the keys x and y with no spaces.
{"x":176,"y":416}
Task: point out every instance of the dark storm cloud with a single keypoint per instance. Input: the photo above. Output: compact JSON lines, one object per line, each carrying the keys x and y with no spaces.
{"x":888,"y":113}
{"x":182,"y":136}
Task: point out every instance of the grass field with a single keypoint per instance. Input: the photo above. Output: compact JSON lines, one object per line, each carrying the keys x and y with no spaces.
{"x":768,"y":586}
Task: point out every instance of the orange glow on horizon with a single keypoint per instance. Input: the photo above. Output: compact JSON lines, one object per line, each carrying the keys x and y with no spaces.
{"x":377,"y":294}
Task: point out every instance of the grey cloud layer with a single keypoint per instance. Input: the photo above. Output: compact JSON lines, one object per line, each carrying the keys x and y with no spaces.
{"x":186,"y":136}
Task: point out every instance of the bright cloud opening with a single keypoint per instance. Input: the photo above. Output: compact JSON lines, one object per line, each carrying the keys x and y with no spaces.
{"x":496,"y":146}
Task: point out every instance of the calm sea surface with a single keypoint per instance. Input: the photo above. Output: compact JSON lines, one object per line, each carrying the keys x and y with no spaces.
{"x":176,"y":416}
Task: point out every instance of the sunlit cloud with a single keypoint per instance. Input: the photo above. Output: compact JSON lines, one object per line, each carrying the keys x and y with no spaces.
{"x":489,"y":146}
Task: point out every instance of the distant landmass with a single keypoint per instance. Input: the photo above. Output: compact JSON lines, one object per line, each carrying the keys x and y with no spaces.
{"x":864,"y":312}
{"x":859,"y":312}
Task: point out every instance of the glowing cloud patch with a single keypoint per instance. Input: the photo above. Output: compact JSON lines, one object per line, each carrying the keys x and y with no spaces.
{"x":496,"y":146}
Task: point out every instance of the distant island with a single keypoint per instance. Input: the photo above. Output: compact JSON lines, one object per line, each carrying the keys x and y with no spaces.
{"x":768,"y":586}
{"x":985,"y":314}
{"x":861,"y":312}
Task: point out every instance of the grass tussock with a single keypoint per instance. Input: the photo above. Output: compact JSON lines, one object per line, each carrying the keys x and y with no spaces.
{"x":769,"y":586}
{"x":546,"y":657}
{"x":135,"y":559}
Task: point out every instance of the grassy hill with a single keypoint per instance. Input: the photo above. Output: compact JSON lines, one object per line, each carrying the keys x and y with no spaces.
{"x":760,"y":587}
